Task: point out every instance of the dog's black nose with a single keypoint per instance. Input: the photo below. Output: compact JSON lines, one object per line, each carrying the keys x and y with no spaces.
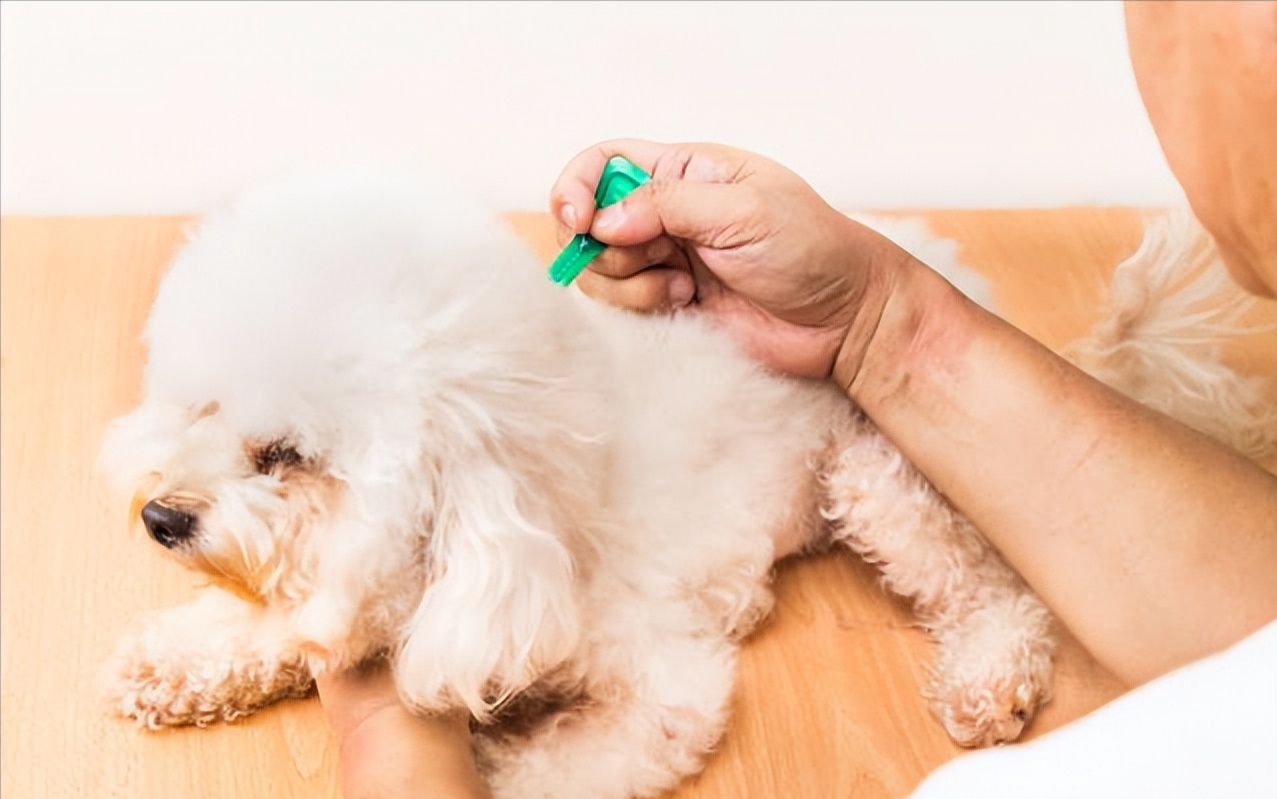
{"x":166,"y":525}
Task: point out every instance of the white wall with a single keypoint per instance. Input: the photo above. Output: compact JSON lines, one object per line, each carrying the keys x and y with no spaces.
{"x":168,"y":107}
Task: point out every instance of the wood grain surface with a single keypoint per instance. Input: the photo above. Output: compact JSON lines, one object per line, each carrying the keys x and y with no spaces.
{"x":827,"y":703}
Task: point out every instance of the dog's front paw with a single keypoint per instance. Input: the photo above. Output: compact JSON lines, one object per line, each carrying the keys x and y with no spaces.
{"x":174,"y":690}
{"x":212,"y":660}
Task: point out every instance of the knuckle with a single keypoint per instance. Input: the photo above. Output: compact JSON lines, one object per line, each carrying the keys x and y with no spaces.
{"x":644,"y":292}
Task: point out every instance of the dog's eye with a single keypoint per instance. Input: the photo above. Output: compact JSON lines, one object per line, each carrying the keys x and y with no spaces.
{"x":276,"y":453}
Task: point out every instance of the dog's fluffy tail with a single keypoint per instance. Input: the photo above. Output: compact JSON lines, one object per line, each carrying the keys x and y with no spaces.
{"x":1158,"y":340}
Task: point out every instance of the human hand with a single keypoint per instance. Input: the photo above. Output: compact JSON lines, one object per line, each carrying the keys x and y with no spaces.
{"x":742,"y":238}
{"x":385,"y":751}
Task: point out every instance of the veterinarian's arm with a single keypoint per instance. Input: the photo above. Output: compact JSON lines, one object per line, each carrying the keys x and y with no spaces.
{"x":385,"y":752}
{"x":1154,"y":544}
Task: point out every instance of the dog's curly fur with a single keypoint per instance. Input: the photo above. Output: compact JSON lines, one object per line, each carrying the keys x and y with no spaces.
{"x":394,"y":437}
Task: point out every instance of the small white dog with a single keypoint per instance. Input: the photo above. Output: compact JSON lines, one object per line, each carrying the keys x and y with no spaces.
{"x":373,"y":421}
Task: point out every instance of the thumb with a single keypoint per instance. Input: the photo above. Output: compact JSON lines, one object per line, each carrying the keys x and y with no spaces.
{"x":715,"y":215}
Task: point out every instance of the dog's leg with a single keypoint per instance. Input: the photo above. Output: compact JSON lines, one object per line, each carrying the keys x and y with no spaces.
{"x":993,"y":669}
{"x":214,"y":659}
{"x":637,"y":735}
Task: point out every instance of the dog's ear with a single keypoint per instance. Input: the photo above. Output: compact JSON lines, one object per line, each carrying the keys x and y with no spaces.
{"x":501,"y":606}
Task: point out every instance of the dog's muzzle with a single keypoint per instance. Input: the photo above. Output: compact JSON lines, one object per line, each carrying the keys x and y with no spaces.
{"x":168,"y":526}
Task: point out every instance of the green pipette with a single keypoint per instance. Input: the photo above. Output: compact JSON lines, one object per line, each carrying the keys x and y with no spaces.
{"x":620,"y":177}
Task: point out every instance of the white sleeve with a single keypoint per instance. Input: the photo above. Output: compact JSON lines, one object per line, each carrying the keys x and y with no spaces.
{"x":1207,"y":729}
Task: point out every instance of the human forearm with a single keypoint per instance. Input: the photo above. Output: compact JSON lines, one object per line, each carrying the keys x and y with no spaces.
{"x":1153,"y":543}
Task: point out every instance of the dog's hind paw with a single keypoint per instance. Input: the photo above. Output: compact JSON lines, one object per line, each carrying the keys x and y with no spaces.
{"x":993,"y":672}
{"x":987,"y":695}
{"x":987,"y":714}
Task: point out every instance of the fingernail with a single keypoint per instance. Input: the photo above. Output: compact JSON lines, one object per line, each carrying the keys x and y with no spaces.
{"x":568,"y":215}
{"x":610,"y":217}
{"x":682,"y":289}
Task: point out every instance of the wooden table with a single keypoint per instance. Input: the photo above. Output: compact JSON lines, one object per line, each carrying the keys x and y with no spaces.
{"x":828,"y":698}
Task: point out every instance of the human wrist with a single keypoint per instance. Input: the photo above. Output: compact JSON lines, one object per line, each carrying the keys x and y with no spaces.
{"x":884,"y":266}
{"x":910,"y":318}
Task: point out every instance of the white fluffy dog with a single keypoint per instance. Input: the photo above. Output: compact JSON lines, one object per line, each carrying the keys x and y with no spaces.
{"x":380,"y":429}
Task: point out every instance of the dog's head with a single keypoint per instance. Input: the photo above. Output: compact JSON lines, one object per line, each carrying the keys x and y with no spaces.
{"x":319,"y":505}
{"x":373,"y":411}
{"x":233,"y":506}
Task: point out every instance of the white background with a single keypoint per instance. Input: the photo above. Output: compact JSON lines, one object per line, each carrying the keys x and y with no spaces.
{"x":171,"y":106}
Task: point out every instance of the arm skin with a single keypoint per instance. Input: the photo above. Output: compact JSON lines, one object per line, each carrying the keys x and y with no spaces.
{"x":1155,"y":545}
{"x":386,"y":751}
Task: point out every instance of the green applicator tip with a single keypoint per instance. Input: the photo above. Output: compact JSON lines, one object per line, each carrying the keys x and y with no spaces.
{"x":620,"y":177}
